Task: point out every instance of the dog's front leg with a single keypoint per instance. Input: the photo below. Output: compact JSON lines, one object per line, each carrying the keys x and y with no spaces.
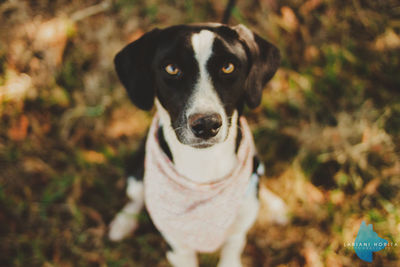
{"x":126,"y":220}
{"x":182,"y":257}
{"x":232,"y":250}
{"x":233,"y":247}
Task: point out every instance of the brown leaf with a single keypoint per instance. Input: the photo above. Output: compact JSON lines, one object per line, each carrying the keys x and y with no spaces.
{"x":19,"y":130}
{"x":394,"y":170}
{"x":289,"y":19}
{"x":311,"y":255}
{"x":309,"y":6}
{"x":34,"y":165}
{"x":17,"y":86}
{"x":387,"y":41}
{"x":136,"y":35}
{"x":337,"y":197}
{"x":126,"y":122}
{"x":51,"y":37}
{"x":93,"y":156}
{"x":333,"y":260}
{"x":314,"y":194}
{"x":311,"y":53}
{"x":371,"y":187}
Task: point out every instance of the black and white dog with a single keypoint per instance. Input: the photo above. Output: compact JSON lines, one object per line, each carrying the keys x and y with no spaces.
{"x":198,"y":173}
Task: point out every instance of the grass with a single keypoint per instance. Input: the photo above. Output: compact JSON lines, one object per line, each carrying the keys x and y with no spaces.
{"x":328,"y":130}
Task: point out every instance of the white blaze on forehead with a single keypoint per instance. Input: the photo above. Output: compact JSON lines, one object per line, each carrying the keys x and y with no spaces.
{"x":204,"y":98}
{"x":202,"y":43}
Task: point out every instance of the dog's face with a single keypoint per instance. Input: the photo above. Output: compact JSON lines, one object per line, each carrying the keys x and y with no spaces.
{"x":200,"y":75}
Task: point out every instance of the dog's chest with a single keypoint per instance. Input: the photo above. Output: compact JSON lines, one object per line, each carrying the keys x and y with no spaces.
{"x":195,"y":214}
{"x":206,"y":165}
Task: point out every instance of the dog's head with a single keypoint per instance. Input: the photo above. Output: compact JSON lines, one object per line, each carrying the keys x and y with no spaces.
{"x":198,"y":75}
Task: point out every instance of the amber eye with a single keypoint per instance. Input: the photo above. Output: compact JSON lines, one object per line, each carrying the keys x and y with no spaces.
{"x":228,"y":68}
{"x":172,"y":69}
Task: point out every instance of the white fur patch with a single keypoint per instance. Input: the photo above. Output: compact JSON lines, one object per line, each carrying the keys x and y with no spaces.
{"x":135,"y":189}
{"x":182,"y":258}
{"x":125,"y":222}
{"x":277,"y":208}
{"x":202,"y":43}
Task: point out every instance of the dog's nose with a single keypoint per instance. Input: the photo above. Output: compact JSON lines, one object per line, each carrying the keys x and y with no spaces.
{"x":205,"y":125}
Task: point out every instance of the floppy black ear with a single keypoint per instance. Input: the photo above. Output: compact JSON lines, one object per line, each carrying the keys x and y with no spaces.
{"x":133,"y":66}
{"x":264,"y":60}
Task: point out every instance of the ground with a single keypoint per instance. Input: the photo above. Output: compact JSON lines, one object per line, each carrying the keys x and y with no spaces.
{"x":328,"y":129}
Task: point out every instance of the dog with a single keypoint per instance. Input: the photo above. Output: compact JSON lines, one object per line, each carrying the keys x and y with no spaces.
{"x":197,"y":172}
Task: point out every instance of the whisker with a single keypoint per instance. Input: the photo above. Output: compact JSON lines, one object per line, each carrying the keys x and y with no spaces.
{"x":178,"y":128}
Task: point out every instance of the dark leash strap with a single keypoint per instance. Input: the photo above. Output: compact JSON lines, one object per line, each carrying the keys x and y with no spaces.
{"x":228,"y":11}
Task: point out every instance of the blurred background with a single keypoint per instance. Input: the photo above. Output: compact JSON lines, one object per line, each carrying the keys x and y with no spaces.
{"x":328,"y":129}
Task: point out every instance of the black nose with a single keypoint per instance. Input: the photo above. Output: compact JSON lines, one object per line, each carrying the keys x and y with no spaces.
{"x":205,"y":125}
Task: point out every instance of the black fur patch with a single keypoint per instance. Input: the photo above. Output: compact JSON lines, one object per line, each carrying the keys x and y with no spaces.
{"x":163,"y":144}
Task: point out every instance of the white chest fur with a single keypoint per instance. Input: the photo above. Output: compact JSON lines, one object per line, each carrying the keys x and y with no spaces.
{"x":206,"y":164}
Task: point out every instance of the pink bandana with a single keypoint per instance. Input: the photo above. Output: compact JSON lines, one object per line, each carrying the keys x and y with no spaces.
{"x":195,"y":215}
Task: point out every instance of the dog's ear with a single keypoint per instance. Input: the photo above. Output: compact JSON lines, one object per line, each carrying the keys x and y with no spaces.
{"x":133,"y":66}
{"x":264,"y":60}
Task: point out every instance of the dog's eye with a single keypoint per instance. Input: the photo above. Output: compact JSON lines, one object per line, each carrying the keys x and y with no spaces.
{"x":228,"y":68}
{"x":172,"y":69}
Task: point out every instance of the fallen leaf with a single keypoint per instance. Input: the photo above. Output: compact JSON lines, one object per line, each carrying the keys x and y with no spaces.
{"x":337,"y":197}
{"x":19,"y":130}
{"x":93,"y":156}
{"x":34,"y":165}
{"x":387,"y":41}
{"x":333,"y":260}
{"x":311,"y":255}
{"x":289,"y":19}
{"x":309,"y":6}
{"x":51,"y":38}
{"x":371,"y":187}
{"x":311,"y":53}
{"x":314,"y":194}
{"x":17,"y":87}
{"x":136,"y":35}
{"x":127,"y":122}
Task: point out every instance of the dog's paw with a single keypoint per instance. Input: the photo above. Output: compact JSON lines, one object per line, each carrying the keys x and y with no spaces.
{"x":230,"y":263}
{"x":122,"y":225}
{"x":277,"y":208}
{"x":182,"y":259}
